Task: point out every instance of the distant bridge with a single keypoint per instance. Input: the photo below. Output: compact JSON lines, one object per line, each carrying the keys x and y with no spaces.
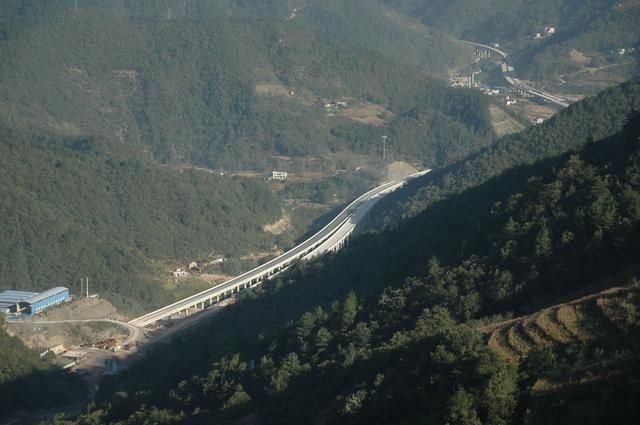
{"x":508,"y":72}
{"x":330,"y":238}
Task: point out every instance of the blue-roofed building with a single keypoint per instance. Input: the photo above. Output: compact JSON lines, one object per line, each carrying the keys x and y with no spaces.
{"x":46,"y":299}
{"x":30,"y":303}
{"x":5,"y":308}
{"x":10,"y":300}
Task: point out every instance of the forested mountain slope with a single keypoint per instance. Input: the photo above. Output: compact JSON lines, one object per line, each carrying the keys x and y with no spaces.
{"x":499,"y":19}
{"x":94,"y":98}
{"x":389,"y":331}
{"x":591,"y":119}
{"x":214,"y":83}
{"x":28,"y":381}
{"x":587,"y":37}
{"x":82,"y":207}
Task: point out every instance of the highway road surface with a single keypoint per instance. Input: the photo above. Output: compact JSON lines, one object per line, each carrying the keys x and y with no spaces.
{"x":508,"y":73}
{"x":348,"y":217}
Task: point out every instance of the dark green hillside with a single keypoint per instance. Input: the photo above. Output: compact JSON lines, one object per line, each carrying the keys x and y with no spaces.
{"x":501,"y":20}
{"x":95,"y":97}
{"x":29,"y":382}
{"x":581,"y":57}
{"x":79,"y":207}
{"x":591,"y":119}
{"x":389,"y":331}
{"x":212,"y":85}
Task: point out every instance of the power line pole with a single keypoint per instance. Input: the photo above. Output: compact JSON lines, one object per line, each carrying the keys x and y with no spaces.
{"x":384,"y":149}
{"x":87,"y":286}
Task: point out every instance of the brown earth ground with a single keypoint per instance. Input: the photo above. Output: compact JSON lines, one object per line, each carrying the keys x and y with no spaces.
{"x":398,"y":170}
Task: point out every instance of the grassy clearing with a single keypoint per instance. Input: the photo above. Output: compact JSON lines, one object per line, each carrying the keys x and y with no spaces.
{"x":503,"y":123}
{"x":499,"y":343}
{"x":367,"y":113}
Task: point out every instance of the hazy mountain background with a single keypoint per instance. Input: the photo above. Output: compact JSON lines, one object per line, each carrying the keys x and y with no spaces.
{"x":112,"y":103}
{"x":500,"y":288}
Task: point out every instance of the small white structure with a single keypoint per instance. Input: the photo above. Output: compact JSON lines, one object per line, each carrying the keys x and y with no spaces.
{"x":538,"y":120}
{"x":180,"y":273}
{"x":279,"y":175}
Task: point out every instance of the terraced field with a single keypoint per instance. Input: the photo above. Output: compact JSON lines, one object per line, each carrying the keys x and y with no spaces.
{"x":613,"y":312}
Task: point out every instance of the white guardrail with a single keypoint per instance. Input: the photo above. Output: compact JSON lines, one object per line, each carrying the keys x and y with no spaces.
{"x":329,"y":238}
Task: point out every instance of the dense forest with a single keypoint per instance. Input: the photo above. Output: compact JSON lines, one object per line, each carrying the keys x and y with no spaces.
{"x":500,"y":288}
{"x":28,"y":381}
{"x":113,"y":103}
{"x":591,"y":119}
{"x":214,"y":84}
{"x":391,"y":330}
{"x":596,"y":28}
{"x":82,"y":207}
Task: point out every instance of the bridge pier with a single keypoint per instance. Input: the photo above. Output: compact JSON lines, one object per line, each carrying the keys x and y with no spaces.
{"x":483,"y":53}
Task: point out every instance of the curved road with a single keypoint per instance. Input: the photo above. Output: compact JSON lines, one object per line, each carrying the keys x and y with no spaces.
{"x":256,"y":275}
{"x":508,"y":74}
{"x":134,"y":332}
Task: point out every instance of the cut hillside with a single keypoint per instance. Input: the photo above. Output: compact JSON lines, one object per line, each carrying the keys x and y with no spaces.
{"x":581,"y":358}
{"x":607,"y":314}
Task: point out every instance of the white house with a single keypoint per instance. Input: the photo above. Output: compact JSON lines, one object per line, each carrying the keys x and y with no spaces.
{"x":279,"y":175}
{"x":180,"y":273}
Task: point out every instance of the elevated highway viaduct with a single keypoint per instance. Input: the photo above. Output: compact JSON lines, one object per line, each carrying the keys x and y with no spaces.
{"x":508,"y":73}
{"x":330,"y":238}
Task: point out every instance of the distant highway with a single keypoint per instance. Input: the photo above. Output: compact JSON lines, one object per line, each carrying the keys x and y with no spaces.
{"x":329,"y":238}
{"x":509,"y":74}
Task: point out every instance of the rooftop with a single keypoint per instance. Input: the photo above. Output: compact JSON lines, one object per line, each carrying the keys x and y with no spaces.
{"x":46,"y":294}
{"x":13,"y":297}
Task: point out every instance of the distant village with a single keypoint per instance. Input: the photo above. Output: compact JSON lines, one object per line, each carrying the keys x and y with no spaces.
{"x":194,"y":267}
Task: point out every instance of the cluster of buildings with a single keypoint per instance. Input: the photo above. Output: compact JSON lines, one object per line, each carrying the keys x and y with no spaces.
{"x":624,"y":51}
{"x":22,"y":303}
{"x":547,"y":32}
{"x":195,"y":268}
{"x":334,"y":105}
{"x":279,"y":175}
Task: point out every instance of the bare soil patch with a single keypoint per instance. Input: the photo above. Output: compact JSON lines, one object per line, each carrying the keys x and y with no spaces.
{"x":367,"y":113}
{"x":271,"y":88}
{"x":81,"y":309}
{"x":280,"y":226}
{"x":398,"y":170}
{"x":49,"y":335}
{"x":579,"y":57}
